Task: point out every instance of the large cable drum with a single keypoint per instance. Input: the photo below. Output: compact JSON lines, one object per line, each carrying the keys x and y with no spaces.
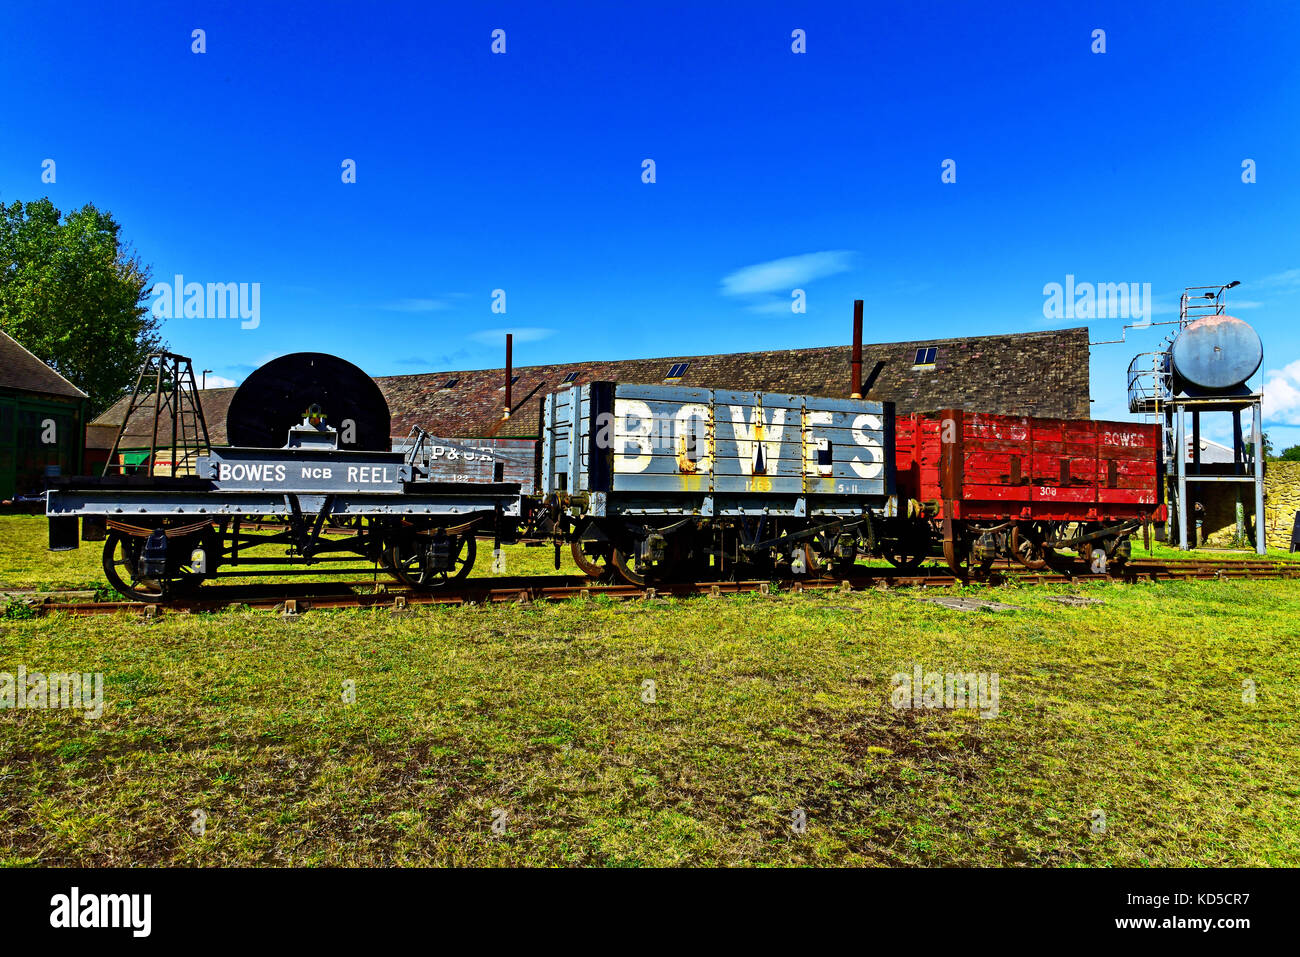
{"x":1216,"y":354}
{"x":283,"y":392}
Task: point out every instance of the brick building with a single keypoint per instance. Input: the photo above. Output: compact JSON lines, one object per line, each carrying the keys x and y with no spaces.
{"x":1035,"y":373}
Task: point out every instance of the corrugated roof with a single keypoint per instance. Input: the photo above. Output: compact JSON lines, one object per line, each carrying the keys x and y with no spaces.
{"x":24,"y":372}
{"x":1036,"y":373}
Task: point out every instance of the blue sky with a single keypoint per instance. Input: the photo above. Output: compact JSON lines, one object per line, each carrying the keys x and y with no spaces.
{"x":774,"y":170}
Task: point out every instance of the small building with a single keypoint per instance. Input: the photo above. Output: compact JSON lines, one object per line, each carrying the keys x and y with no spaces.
{"x":42,"y":423}
{"x":1212,"y":453}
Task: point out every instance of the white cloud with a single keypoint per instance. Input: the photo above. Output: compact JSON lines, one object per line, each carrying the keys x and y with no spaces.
{"x":788,"y":273}
{"x":775,"y":307}
{"x":1282,"y":394}
{"x":211,"y":381}
{"x":1286,"y":279}
{"x":524,"y":334}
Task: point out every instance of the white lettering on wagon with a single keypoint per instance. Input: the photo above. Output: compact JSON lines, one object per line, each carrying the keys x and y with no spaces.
{"x":1123,"y":439}
{"x":813,"y":443}
{"x":634,"y":428}
{"x":639,"y":433}
{"x":250,"y":472}
{"x":690,"y":435}
{"x":267,"y":473}
{"x":873,"y":468}
{"x":758,"y":434}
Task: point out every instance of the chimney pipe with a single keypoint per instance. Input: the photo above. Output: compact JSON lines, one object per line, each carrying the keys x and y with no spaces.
{"x":509,"y":372}
{"x":857,"y":349}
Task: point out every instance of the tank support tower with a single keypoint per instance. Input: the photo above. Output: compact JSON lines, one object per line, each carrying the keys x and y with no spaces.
{"x":1203,"y":369}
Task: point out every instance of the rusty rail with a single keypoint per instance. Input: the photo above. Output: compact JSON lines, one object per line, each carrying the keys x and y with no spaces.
{"x":563,"y":588}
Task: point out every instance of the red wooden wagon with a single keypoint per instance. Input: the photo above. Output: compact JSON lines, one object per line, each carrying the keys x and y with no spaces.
{"x":1028,"y":488}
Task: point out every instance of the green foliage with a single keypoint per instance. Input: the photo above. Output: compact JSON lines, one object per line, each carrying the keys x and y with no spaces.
{"x":1290,"y":455}
{"x":16,"y":609}
{"x":73,"y":294}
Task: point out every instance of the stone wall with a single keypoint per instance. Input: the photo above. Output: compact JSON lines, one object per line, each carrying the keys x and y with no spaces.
{"x":1219,"y":520}
{"x":1281,"y":502}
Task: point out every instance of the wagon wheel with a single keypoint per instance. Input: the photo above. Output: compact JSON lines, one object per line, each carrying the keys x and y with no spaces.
{"x":1082,"y":552}
{"x":121,"y":559}
{"x":957,"y":552}
{"x":1107,"y":553}
{"x":591,"y":566}
{"x":817,"y":564}
{"x":1094,"y":557}
{"x":1118,"y":550}
{"x":626,"y":568}
{"x":1027,"y":545}
{"x":411,"y":562}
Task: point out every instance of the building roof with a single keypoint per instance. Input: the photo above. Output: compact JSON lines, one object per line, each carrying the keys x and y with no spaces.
{"x":1035,"y":373}
{"x":21,"y":371}
{"x":102,"y":432}
{"x":1213,"y":453}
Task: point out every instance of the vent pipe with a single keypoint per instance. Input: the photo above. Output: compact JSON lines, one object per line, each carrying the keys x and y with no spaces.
{"x":509,"y":372}
{"x":856,"y":391}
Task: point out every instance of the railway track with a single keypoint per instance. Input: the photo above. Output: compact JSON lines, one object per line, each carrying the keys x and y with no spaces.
{"x":294,"y":599}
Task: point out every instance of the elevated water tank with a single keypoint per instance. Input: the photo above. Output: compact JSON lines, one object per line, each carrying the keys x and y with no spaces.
{"x":1215,"y":354}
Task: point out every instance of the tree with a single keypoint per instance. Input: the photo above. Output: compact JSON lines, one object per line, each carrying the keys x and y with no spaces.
{"x":1291,"y":455}
{"x":74,"y":295}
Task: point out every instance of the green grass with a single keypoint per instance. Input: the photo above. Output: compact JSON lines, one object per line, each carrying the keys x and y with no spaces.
{"x":26,"y":562}
{"x":1169,"y":553}
{"x":763,"y":706}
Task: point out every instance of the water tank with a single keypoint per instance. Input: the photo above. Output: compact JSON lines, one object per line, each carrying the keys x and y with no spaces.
{"x":1215,"y":354}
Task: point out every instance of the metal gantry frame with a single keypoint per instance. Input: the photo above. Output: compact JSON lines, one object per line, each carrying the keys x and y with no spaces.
{"x":1247,"y":466}
{"x":1151,"y":391}
{"x":166,"y":381}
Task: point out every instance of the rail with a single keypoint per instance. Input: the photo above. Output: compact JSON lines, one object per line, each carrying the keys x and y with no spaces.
{"x":290,"y":601}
